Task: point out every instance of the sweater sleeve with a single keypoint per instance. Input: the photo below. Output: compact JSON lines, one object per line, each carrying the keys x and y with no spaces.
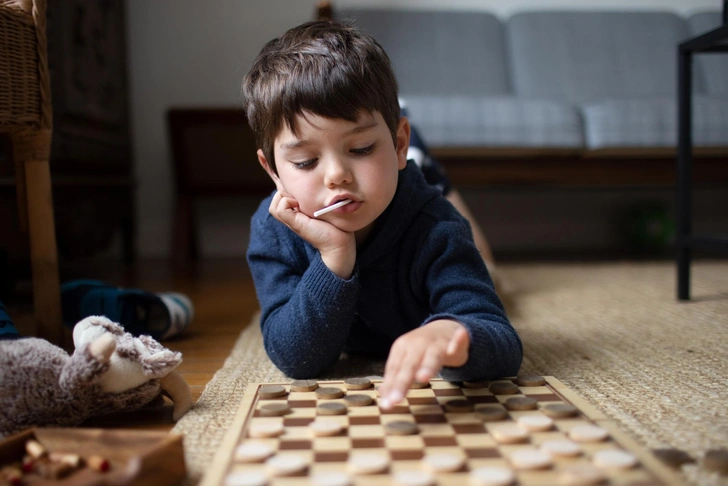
{"x":459,"y":288}
{"x":306,"y":310}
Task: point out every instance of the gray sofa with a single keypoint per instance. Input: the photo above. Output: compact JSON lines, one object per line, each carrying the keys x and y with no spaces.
{"x":578,"y":82}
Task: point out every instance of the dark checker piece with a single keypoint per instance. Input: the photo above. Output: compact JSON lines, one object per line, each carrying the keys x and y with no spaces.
{"x":529,"y":379}
{"x":275,"y":409}
{"x":491,"y":413}
{"x":560,"y":410}
{"x":358,"y":383}
{"x":673,"y":457}
{"x":716,"y":460}
{"x":401,"y":427}
{"x":304,"y":385}
{"x":329,"y":392}
{"x":521,"y":403}
{"x":358,"y":400}
{"x":459,"y":406}
{"x":331,"y":408}
{"x":271,"y":391}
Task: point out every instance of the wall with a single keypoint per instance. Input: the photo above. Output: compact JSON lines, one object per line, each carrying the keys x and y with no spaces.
{"x":192,"y":53}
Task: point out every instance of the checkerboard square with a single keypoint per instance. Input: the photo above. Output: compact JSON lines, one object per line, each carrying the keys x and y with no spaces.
{"x":369,"y":431}
{"x":263,"y":401}
{"x":448,"y":392}
{"x":483,"y":453}
{"x":503,"y":398}
{"x":404,"y":442}
{"x":430,"y":418}
{"x":295,"y":396}
{"x":364,"y":420}
{"x":370,"y":410}
{"x":302,"y":412}
{"x":461,"y":418}
{"x":432,"y":430}
{"x":422,"y":401}
{"x":291,"y":445}
{"x":337,"y":443}
{"x":440,"y":441}
{"x":545,"y":397}
{"x":396,"y":418}
{"x":407,"y":455}
{"x":476,"y":399}
{"x":297,"y":421}
{"x":302,"y":403}
{"x":331,"y":456}
{"x":474,"y":392}
{"x":472,"y":428}
{"x":397,"y":409}
{"x":427,"y":409}
{"x":443,"y":385}
{"x":475,"y":441}
{"x":364,"y":443}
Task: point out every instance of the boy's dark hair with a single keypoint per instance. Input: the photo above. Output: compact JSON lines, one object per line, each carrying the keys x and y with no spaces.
{"x":331,"y":69}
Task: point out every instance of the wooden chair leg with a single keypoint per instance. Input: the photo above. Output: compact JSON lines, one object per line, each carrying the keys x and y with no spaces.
{"x":182,"y":251}
{"x":32,"y":149}
{"x":22,"y":196}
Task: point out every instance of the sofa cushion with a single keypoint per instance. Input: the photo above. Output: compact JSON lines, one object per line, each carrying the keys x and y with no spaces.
{"x":439,"y":52}
{"x":582,"y":56}
{"x":714,"y":67}
{"x":653,"y":122}
{"x":447,"y":121}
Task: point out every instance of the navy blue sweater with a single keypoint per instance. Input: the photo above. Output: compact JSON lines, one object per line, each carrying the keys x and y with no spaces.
{"x":419,"y":264}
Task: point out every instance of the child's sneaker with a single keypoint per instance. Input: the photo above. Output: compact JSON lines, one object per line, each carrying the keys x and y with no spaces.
{"x":161,"y":316}
{"x":7,"y":329}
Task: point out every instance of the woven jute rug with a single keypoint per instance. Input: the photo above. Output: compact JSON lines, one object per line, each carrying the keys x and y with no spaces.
{"x":613,"y":332}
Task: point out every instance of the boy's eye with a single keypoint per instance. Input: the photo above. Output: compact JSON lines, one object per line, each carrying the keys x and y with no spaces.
{"x":304,"y":165}
{"x":363,"y":150}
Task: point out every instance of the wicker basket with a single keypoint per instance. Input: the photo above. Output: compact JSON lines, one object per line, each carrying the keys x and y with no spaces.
{"x":24,"y":83}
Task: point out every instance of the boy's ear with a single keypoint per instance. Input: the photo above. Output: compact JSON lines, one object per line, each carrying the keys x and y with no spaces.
{"x":264,"y":163}
{"x":403,"y":138}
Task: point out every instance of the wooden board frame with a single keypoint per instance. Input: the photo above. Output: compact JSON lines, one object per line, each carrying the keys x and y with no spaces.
{"x":236,"y":433}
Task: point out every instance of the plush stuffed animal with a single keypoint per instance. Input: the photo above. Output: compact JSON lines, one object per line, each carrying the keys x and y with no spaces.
{"x":109,"y":371}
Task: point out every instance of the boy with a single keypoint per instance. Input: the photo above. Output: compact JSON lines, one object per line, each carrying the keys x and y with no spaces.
{"x":393,"y":269}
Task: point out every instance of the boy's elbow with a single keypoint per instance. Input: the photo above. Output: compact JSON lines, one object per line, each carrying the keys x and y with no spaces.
{"x":513,"y":365}
{"x":300,"y":370}
{"x":297,"y":357}
{"x":515,"y":358}
{"x":297,"y":367}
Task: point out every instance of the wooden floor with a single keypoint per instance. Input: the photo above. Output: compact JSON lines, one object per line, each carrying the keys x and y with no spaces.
{"x":224,"y":299}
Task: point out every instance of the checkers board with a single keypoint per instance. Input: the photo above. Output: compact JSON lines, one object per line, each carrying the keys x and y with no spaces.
{"x":466,"y":439}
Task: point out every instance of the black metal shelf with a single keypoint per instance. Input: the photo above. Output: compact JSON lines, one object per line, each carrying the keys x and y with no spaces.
{"x":714,"y":41}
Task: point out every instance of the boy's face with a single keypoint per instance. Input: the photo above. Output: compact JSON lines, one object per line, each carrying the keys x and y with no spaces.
{"x":334,"y":159}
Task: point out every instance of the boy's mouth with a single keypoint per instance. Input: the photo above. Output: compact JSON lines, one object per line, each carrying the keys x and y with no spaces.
{"x":336,"y":205}
{"x":342,"y":197}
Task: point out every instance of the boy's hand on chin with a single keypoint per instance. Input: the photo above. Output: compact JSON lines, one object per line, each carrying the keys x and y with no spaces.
{"x":420,"y":354}
{"x":337,"y":247}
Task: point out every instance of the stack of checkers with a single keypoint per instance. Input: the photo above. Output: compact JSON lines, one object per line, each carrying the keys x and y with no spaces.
{"x":526,"y":430}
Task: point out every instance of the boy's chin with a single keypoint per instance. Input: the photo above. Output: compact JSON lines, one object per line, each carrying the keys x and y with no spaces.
{"x":349,"y":227}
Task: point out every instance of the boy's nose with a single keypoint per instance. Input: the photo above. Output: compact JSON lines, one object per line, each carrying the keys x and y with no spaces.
{"x":337,"y":173}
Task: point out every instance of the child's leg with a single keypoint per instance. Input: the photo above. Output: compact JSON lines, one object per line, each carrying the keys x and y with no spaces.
{"x":7,"y":329}
{"x":435,"y":176}
{"x":160,"y":315}
{"x":480,"y":242}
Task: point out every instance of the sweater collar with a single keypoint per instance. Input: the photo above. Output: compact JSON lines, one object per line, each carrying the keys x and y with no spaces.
{"x":412,"y":194}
